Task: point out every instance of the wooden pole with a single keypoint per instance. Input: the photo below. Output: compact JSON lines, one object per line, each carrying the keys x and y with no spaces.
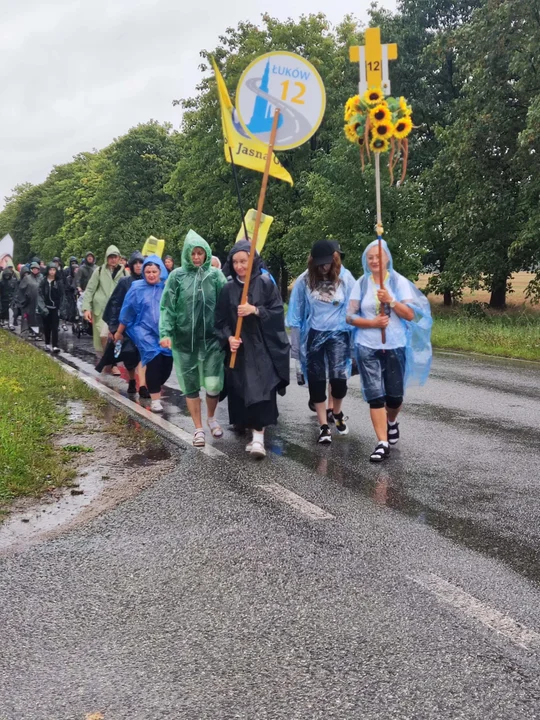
{"x":379,"y":228}
{"x":258,"y":217}
{"x":238,"y":195}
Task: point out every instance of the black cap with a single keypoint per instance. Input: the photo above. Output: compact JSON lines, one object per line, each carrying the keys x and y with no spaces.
{"x":323,"y":251}
{"x":337,"y":248}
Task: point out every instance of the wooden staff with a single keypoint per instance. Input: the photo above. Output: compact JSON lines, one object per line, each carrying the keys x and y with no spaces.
{"x":258,"y":217}
{"x":379,"y":228}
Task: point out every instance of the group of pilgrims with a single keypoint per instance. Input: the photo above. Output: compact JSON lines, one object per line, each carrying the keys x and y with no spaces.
{"x":151,"y":316}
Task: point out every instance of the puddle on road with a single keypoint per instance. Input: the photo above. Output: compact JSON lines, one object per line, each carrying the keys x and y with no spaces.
{"x":104,"y":479}
{"x":75,"y":410}
{"x":389,"y":487}
{"x":382,"y":487}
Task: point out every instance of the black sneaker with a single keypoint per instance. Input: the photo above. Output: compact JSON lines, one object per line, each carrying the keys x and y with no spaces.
{"x":380,"y":453}
{"x":340,"y":424}
{"x":330,"y":417}
{"x":143,"y":392}
{"x":132,"y":387}
{"x":325,"y":436}
{"x":393,"y":433}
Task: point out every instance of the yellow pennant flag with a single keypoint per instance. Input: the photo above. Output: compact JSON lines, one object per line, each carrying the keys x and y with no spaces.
{"x":245,"y":151}
{"x":249,"y":222}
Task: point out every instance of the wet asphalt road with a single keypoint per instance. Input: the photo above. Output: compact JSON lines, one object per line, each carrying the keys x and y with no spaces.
{"x":203,"y":597}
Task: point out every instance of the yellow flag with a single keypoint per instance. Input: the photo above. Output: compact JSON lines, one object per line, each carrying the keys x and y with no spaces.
{"x":264,"y":227}
{"x":245,"y":151}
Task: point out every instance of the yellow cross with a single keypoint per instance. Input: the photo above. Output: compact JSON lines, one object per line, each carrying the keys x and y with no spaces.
{"x":373,"y":60}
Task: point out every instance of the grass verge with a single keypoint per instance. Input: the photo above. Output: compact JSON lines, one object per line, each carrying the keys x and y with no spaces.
{"x":514,"y":333}
{"x":34,"y":391}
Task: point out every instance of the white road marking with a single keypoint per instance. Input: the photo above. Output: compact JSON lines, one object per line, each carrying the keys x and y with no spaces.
{"x":296,"y":501}
{"x":143,"y":412}
{"x":472,"y":607}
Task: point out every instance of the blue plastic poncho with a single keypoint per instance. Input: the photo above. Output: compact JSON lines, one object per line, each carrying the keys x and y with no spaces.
{"x":414,"y":335}
{"x":140,"y":313}
{"x":307,"y":311}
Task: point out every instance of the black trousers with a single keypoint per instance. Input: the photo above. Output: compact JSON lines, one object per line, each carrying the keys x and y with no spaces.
{"x":158,"y":372}
{"x":50,"y":327}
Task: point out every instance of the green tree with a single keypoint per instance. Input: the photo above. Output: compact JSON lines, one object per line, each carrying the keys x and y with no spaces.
{"x":474,"y":186}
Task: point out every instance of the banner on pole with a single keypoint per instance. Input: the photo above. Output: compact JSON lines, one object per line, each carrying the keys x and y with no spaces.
{"x":285,"y":81}
{"x":264,"y":227}
{"x":246,"y":151}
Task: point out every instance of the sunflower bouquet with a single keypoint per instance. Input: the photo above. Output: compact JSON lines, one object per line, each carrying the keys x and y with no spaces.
{"x":379,"y":124}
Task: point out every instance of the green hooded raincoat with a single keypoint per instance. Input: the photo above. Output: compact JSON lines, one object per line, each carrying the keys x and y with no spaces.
{"x":98,"y":291}
{"x":188,"y":306}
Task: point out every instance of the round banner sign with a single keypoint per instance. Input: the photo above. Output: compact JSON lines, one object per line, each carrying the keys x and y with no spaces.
{"x":286,"y":81}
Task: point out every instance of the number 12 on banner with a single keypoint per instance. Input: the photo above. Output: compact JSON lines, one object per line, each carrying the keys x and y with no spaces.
{"x":296,"y":99}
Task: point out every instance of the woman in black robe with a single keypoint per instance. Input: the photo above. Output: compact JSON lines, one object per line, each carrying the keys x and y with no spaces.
{"x":262,"y":362}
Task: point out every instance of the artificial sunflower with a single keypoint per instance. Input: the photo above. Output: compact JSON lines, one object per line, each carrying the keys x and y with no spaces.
{"x":383,"y":129}
{"x":350,"y":133}
{"x":403,"y":127}
{"x":403,"y":107}
{"x":352,"y":104}
{"x":380,"y":113}
{"x":373,"y":97}
{"x":379,"y":144}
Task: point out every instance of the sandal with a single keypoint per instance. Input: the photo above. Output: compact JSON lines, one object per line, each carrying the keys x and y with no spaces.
{"x":380,"y":453}
{"x":198,"y":438}
{"x":215,"y":428}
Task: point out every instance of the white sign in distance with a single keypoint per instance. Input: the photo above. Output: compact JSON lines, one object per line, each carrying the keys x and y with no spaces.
{"x":286,"y":81}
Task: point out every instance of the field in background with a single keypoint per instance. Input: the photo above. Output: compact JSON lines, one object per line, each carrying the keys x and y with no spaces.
{"x":519,"y":283}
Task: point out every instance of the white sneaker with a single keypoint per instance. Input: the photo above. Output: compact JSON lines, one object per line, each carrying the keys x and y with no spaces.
{"x":56,"y":350}
{"x":48,"y":348}
{"x":249,"y":446}
{"x":257,"y":449}
{"x":156,"y":406}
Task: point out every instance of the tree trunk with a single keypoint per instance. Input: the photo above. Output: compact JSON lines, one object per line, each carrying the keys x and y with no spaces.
{"x":447,"y":298}
{"x":497,"y":300}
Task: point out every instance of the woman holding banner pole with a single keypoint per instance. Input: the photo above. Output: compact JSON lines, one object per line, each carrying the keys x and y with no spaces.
{"x":387,"y":365}
{"x":261,"y":370}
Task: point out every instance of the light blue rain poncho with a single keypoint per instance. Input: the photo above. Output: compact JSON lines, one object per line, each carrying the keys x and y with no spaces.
{"x":417,"y":332}
{"x":140,"y":313}
{"x":306,"y":312}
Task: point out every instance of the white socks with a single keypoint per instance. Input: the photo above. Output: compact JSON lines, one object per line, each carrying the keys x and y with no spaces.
{"x":258,"y":437}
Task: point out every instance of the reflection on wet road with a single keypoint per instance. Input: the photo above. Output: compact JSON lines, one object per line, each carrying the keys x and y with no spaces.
{"x":467,"y":464}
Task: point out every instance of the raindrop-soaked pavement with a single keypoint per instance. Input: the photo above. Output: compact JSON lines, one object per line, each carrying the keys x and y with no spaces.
{"x":205,"y":597}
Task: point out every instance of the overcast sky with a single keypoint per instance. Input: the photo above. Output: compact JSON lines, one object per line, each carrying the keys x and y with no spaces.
{"x":74,"y":74}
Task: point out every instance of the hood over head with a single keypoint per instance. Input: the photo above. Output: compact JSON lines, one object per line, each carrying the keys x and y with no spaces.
{"x":50,"y":265}
{"x":24,"y":271}
{"x":156,"y":260}
{"x":73,"y":260}
{"x":35,"y":264}
{"x":112,"y":250}
{"x":90,"y":254}
{"x":7,"y":273}
{"x":385,"y":248}
{"x":192,"y":241}
{"x":9,"y":264}
{"x":133,"y":259}
{"x":244,"y":246}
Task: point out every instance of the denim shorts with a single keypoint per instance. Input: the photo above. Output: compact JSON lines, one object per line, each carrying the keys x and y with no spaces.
{"x":328,"y":355}
{"x":382,"y":372}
